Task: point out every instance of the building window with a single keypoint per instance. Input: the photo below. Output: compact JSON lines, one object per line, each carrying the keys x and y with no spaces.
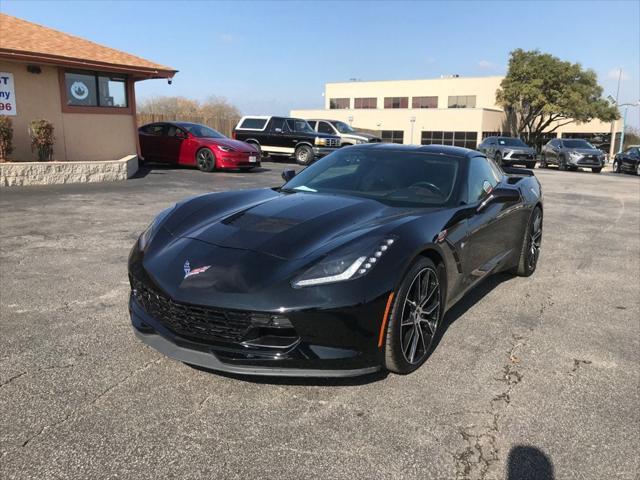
{"x":491,"y":134}
{"x":392,"y":136}
{"x":369,"y":102}
{"x":458,"y":139}
{"x":462,"y":101}
{"x":338,"y":103}
{"x":396,"y":102}
{"x":424,"y":102}
{"x":92,"y":89}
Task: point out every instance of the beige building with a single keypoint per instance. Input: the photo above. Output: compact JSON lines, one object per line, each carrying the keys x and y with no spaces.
{"x":84,"y":89}
{"x":450,"y":110}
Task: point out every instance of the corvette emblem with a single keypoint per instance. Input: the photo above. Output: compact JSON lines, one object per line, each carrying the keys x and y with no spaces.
{"x":189,"y":273}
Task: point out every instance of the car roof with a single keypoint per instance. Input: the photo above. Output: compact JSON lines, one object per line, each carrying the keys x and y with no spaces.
{"x":434,"y":149}
{"x":323,"y":120}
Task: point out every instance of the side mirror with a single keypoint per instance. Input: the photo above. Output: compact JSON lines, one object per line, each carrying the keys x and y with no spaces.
{"x":277,"y":130}
{"x":288,"y":175}
{"x":500,"y":195}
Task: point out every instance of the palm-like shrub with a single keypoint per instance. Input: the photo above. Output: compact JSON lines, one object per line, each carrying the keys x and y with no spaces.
{"x":42,"y":139}
{"x":6,"y":137}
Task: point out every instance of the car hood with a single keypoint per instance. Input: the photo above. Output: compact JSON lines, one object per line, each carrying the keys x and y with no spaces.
{"x":228,"y":142}
{"x":295,"y":225}
{"x":361,"y":136}
{"x":586,"y":151}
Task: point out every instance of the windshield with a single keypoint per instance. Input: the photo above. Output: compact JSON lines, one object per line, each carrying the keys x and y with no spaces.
{"x":201,"y":131}
{"x":297,"y":125}
{"x":512,"y":142}
{"x":398,"y":178}
{"x":343,"y":127}
{"x":577,"y":144}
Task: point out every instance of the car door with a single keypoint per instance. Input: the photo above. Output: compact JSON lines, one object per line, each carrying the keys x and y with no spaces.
{"x":278,"y":142}
{"x":173,"y":137}
{"x":488,"y":241}
{"x":150,"y":139}
{"x":326,"y":127}
{"x":630,"y":159}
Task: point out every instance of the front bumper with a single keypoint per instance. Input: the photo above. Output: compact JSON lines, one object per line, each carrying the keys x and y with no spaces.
{"x":236,"y":160}
{"x":329,"y":345}
{"x":322,"y":151}
{"x":585,"y":162}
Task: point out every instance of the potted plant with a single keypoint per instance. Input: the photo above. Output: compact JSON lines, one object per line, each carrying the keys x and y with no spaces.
{"x":6,"y":137}
{"x":42,"y":139}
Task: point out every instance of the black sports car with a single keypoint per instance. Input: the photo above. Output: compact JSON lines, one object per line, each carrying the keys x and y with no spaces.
{"x":347,"y":268}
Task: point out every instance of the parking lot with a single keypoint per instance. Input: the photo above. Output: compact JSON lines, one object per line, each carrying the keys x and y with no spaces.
{"x":536,"y":376}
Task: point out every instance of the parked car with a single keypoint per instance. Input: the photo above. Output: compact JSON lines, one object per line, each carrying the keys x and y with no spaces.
{"x":286,"y":135}
{"x":571,"y":154}
{"x":346,"y":269}
{"x":508,"y":151}
{"x":628,"y":161}
{"x":183,"y":143}
{"x":348,"y":136}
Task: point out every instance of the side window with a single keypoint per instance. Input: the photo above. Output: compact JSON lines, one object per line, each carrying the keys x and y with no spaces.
{"x":491,"y":141}
{"x":312,"y":123}
{"x":481,"y":179}
{"x":155,"y":129}
{"x":277,"y":123}
{"x":324,"y":127}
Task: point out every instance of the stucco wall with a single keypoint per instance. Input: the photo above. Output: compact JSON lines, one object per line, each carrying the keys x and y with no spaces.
{"x":79,"y":136}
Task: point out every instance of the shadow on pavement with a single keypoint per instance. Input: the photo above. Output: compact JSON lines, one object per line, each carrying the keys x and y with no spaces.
{"x":161,"y":169}
{"x":529,"y":463}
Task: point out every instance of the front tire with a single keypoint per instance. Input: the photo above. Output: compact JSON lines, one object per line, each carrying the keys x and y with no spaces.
{"x":531,"y":245}
{"x":543,"y":162}
{"x":304,"y":155}
{"x":205,"y":160}
{"x":596,"y":169}
{"x":499,"y":159}
{"x":530,"y":165}
{"x":616,"y":166}
{"x":416,"y":315}
{"x":562,"y":164}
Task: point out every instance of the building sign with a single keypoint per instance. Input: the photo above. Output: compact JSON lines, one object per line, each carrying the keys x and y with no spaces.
{"x":7,"y":94}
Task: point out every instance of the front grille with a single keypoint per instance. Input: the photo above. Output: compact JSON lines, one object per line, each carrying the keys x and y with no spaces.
{"x":191,"y":321}
{"x":522,"y":156}
{"x":332,"y":142}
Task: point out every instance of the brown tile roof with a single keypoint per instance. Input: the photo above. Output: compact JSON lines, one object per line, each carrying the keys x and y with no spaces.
{"x":22,"y":40}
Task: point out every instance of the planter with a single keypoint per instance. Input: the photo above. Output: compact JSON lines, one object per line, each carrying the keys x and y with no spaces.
{"x":49,"y":173}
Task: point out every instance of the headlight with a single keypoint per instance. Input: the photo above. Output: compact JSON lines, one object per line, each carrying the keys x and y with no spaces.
{"x":575,"y":155}
{"x":150,"y":231}
{"x":224,"y":148}
{"x":320,"y":141}
{"x":344,"y":266}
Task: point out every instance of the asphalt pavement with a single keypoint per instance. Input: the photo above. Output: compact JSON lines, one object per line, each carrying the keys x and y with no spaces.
{"x":532,"y":377}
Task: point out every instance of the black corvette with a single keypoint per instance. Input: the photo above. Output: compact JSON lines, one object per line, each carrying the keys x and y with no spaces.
{"x":346,"y":269}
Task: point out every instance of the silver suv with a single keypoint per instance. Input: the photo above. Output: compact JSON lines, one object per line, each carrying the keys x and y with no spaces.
{"x":571,"y":154}
{"x":508,"y":151}
{"x":348,"y":136}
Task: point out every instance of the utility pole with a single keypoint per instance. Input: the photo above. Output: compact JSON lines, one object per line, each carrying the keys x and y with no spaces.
{"x":613,"y":123}
{"x":413,"y":121}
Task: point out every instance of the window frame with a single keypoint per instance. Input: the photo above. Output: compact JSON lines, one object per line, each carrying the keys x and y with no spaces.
{"x":337,"y":100}
{"x":493,"y":183}
{"x":391,"y":101}
{"x":367,"y":101}
{"x":420,"y":98}
{"x":128,"y":89}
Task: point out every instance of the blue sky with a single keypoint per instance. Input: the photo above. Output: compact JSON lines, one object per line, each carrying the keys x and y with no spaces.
{"x":269,"y":57}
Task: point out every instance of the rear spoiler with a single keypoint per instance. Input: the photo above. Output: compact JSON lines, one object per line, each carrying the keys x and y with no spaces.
{"x":518,"y":171}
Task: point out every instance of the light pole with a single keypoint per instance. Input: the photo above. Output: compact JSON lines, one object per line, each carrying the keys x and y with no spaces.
{"x":613,"y":123}
{"x":413,"y":121}
{"x":350,"y":118}
{"x":624,"y":122}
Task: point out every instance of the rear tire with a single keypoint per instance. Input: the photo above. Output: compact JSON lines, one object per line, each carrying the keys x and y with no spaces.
{"x":530,"y":165}
{"x":304,"y":155}
{"x":411,"y":331}
{"x":206,"y":160}
{"x":596,"y":170}
{"x":531,"y":244}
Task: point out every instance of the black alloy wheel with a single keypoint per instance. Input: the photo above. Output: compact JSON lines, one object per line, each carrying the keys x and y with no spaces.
{"x":205,"y":160}
{"x":531,"y":245}
{"x":596,"y":169}
{"x":416,"y":315}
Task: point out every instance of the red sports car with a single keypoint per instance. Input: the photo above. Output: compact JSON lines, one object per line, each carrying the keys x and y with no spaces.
{"x":183,"y":143}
